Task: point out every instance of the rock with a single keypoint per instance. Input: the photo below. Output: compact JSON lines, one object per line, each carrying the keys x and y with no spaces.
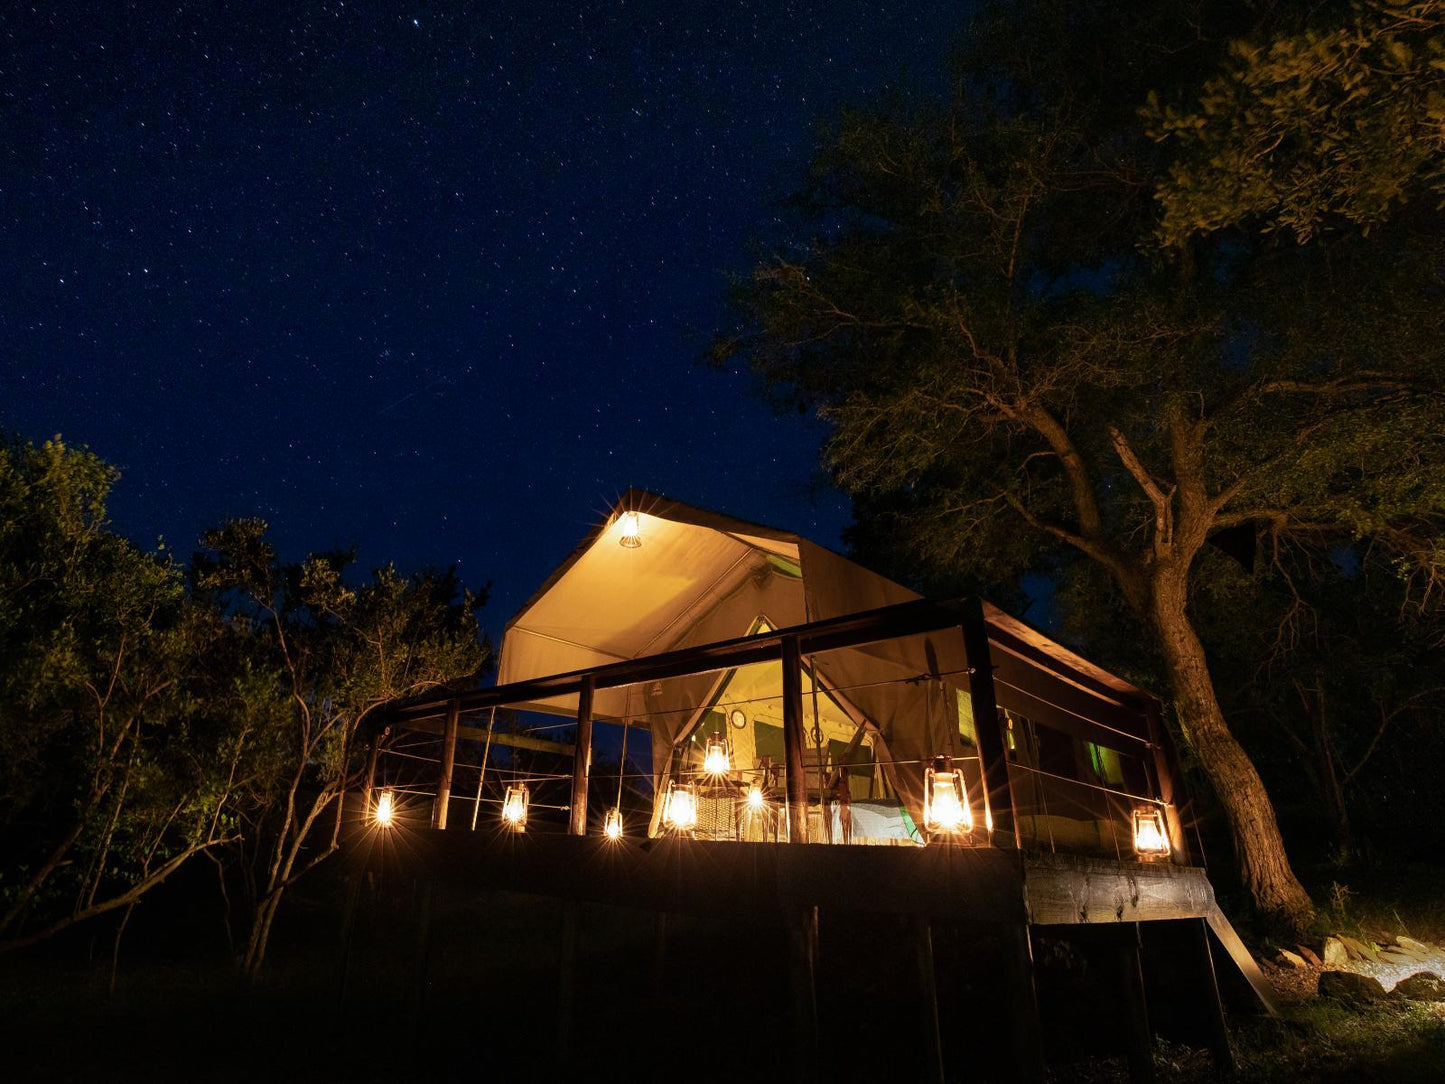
{"x":1334,"y":953}
{"x":1426,"y":986}
{"x":1396,"y":958}
{"x":1349,"y":986}
{"x":1290,"y":959}
{"x":1357,"y":950}
{"x":1309,"y":955}
{"x":1409,"y":944}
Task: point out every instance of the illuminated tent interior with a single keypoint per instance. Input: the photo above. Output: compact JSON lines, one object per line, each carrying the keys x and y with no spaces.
{"x":658,"y":575}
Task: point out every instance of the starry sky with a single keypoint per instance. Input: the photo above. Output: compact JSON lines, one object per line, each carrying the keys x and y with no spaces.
{"x":426,"y":280}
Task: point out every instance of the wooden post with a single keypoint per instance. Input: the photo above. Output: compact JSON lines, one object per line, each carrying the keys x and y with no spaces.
{"x":581,"y":760}
{"x":378,"y":732}
{"x":1025,"y":1033}
{"x":932,"y":1064}
{"x":991,"y":748}
{"x":567,"y":981}
{"x":421,"y":966}
{"x":1165,"y":769}
{"x":802,"y":971}
{"x":449,"y":760}
{"x":793,"y":746}
{"x":1211,"y":1005}
{"x":1138,"y":1037}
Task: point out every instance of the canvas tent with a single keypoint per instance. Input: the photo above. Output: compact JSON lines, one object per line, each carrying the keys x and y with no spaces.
{"x":700,"y":577}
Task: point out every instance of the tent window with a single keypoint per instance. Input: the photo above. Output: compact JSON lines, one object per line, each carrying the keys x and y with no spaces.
{"x":966,"y":730}
{"x":1107,"y":764}
{"x":769,"y":741}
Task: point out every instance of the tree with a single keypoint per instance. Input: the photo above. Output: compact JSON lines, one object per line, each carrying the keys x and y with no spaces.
{"x":111,"y":776}
{"x":1012,"y":372}
{"x":332,"y":654}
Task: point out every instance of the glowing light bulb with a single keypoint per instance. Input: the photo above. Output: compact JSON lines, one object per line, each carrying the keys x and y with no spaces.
{"x":755,"y":797}
{"x":715,"y":759}
{"x":514,"y":807}
{"x":385,"y":809}
{"x":631,"y":525}
{"x":679,"y":811}
{"x":1149,"y":837}
{"x":945,"y":804}
{"x":612,"y":823}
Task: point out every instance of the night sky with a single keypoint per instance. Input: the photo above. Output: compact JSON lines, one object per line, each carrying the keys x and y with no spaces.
{"x":428,"y":282}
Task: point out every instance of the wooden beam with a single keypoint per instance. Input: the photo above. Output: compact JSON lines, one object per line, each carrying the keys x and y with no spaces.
{"x":760,"y":880}
{"x":991,"y":749}
{"x":816,"y":637}
{"x":793,"y":746}
{"x":581,"y":761}
{"x":449,"y":759}
{"x":475,"y":733}
{"x":1072,"y":890}
{"x":1231,"y":943}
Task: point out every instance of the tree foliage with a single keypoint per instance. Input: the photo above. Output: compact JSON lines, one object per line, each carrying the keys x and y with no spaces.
{"x":112,"y":771}
{"x":150,"y":713}
{"x":1341,"y":122}
{"x":333,"y":652}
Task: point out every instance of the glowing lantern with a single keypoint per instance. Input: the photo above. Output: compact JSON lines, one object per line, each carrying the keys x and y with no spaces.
{"x":679,"y":808}
{"x":514,"y":807}
{"x":1150,"y":839}
{"x":385,"y":809}
{"x":612,"y":823}
{"x":715,"y":759}
{"x":631,"y":524}
{"x":755,"y":798}
{"x":945,"y":801}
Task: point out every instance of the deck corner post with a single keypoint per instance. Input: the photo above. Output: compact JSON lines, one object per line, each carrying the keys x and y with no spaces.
{"x":1138,"y":1036}
{"x":793,"y":744}
{"x":986,"y":725}
{"x":1025,"y":1029}
{"x":581,"y":759}
{"x":449,"y":760}
{"x":1166,"y":773}
{"x":379,"y":730}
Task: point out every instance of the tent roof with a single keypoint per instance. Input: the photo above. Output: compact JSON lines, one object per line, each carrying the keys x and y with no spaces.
{"x":607,"y":602}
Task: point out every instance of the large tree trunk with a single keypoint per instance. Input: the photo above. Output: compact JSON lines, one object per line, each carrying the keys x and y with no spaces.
{"x":1263,"y":864}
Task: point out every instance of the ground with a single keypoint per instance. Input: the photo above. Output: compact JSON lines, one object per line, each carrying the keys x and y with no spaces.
{"x":492,"y":1004}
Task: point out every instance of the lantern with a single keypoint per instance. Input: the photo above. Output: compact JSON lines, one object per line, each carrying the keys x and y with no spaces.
{"x":945,"y":799}
{"x":631,"y":524}
{"x":514,"y":806}
{"x":679,"y":808}
{"x":385,"y":809}
{"x":755,"y":798}
{"x":1150,"y":839}
{"x":612,"y":824}
{"x":715,"y":759}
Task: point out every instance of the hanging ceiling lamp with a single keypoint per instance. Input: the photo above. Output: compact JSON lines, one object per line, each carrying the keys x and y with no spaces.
{"x":756,"y":801}
{"x":679,"y":808}
{"x":1150,"y":839}
{"x":715,"y":758}
{"x":385,"y":810}
{"x":631,"y":525}
{"x":612,"y":824}
{"x":514,"y":806}
{"x":945,"y":800}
